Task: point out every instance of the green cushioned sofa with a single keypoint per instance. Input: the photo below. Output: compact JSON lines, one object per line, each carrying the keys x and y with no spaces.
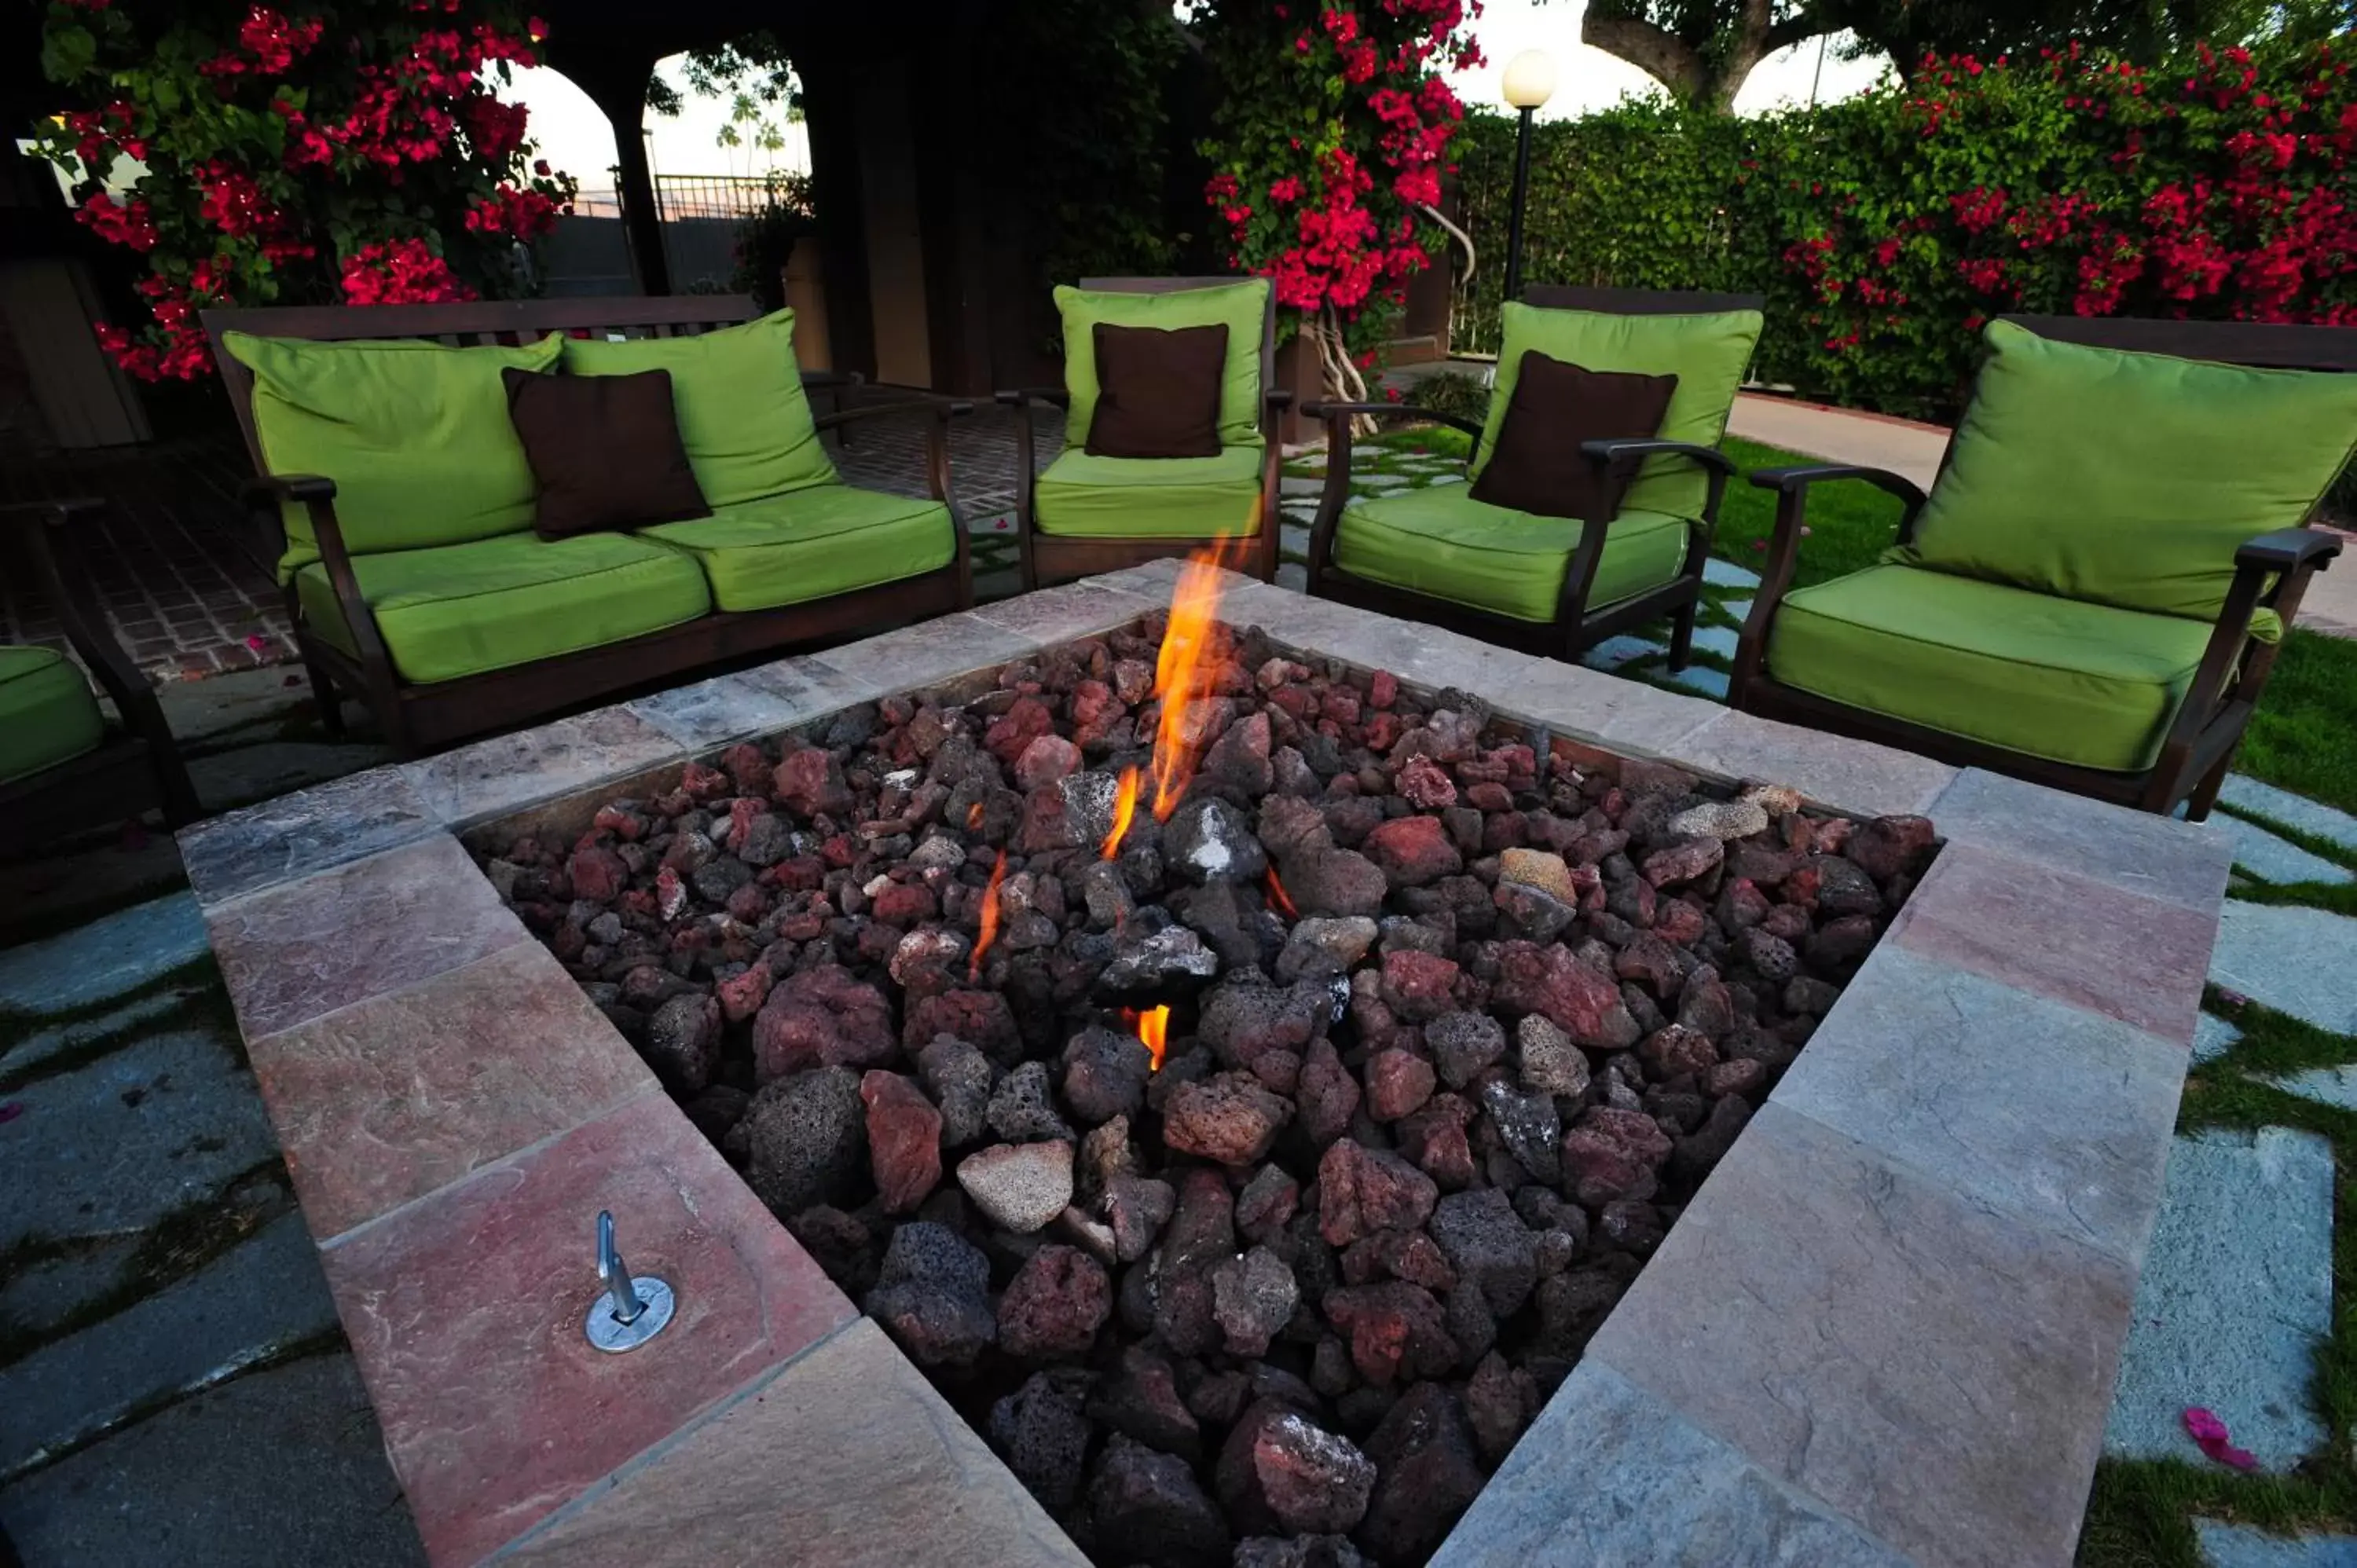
{"x":63,"y":766}
{"x":418,"y":584}
{"x":1555,"y":584}
{"x":2093,"y":591}
{"x":1086,"y":513}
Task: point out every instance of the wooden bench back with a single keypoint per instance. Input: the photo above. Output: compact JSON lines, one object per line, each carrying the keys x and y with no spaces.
{"x":2261,"y":345}
{"x":1638,"y":301}
{"x":463,"y":324}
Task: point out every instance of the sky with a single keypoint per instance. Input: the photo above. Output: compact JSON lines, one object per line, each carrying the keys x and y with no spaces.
{"x":575,"y":137}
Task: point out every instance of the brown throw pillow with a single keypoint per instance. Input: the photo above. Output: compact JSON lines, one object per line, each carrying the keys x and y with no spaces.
{"x":1537,"y":467}
{"x":1159,"y":391}
{"x":606,"y":450}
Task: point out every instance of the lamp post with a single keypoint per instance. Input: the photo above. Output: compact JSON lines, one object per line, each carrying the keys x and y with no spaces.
{"x":1529,"y":83}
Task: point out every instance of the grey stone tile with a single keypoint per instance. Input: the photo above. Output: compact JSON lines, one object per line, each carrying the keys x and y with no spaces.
{"x":1926,"y":1365}
{"x":921,"y":655}
{"x":1727,"y":575}
{"x":2239,"y":1546}
{"x":261,"y":1296}
{"x":2335,"y":1086}
{"x":1718,"y":639}
{"x":2184,"y":862}
{"x":1619,"y":714}
{"x":1153,"y":579}
{"x":1608,"y":1474}
{"x":42,"y":1296}
{"x":280,"y":1469}
{"x":295,"y":835}
{"x":492,"y":778}
{"x":1855,"y":776}
{"x":104,"y":959}
{"x":117,"y":1144}
{"x":2296,"y":961}
{"x":1289,"y":485}
{"x":730,"y":708}
{"x":2292,"y":811}
{"x":1614,"y":652}
{"x":1424,"y":657}
{"x":2272,"y":859}
{"x":1700,"y":678}
{"x":1064,"y":614}
{"x":2235,"y":1300}
{"x":1974,"y":1083}
{"x":2213,"y":1037}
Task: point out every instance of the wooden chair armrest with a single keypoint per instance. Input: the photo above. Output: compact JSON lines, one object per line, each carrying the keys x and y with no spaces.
{"x":1623,"y":453}
{"x":303,"y":488}
{"x":935,"y":408}
{"x":2288,"y":549}
{"x":1280,"y":397}
{"x":1792,"y":488}
{"x":1342,"y":412}
{"x":1018,"y":397}
{"x":1800,"y":476}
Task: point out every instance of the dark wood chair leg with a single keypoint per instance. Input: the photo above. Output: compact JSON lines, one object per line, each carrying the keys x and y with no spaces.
{"x":326,"y":698}
{"x":2205,"y":792}
{"x":1682,"y":630}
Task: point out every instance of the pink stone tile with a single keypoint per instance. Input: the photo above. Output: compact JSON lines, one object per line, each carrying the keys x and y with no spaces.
{"x":848,"y":1460}
{"x":2085,"y":942}
{"x":1848,"y":775}
{"x":1934,"y":1369}
{"x":296,"y":951}
{"x":465,"y":1311}
{"x":387,"y":1100}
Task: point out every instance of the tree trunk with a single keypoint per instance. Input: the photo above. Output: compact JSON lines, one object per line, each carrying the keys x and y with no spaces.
{"x":1662,"y":55}
{"x":618,"y":88}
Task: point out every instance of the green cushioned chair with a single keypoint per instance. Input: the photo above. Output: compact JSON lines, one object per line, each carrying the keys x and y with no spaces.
{"x":415,"y":579}
{"x":1086,"y":514}
{"x":1555,"y":584}
{"x":64,"y":768}
{"x":2093,"y":594}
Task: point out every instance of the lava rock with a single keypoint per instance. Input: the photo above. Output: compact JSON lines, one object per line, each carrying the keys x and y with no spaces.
{"x":1488,"y":1246}
{"x":1501,"y":1402}
{"x":1253,"y":1297}
{"x":1266,"y":1204}
{"x":1551,"y":1063}
{"x":1139,"y":1399}
{"x":1362,"y":1190}
{"x":1324,"y":881}
{"x":807,"y":1137}
{"x":1327,"y":1094}
{"x":1581,"y":999}
{"x":821,"y":1016}
{"x":1137,"y":1207}
{"x":684,"y":1042}
{"x":1152,"y":962}
{"x":1685,"y":860}
{"x":932,"y":1296}
{"x":1042,"y":1431}
{"x":904,"y":1139}
{"x":1527,"y":1125}
{"x":1046,"y":759}
{"x":1298,"y":1552}
{"x":1413,"y":851}
{"x":1398,"y":1082}
{"x":1020,"y":1187}
{"x":958,"y":1078}
{"x":1540,"y":869}
{"x":1395,"y":1330}
{"x":1721,"y":820}
{"x":1427,"y":1471}
{"x":1612,"y":1154}
{"x":810,"y":783}
{"x":1892,"y":846}
{"x":1227,"y":1117}
{"x":1146,"y":1505}
{"x":1106,"y":1075}
{"x":1311,"y":1480}
{"x":1464,"y":1044}
{"x":1320,"y":948}
{"x":1207,"y":840}
{"x":1054,"y":1305}
{"x":1023,"y":1108}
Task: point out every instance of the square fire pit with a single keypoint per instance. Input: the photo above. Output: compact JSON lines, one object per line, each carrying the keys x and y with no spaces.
{"x":1884,"y":1328}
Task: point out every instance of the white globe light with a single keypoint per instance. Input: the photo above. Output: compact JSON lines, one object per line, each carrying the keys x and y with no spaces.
{"x":1529,"y":79}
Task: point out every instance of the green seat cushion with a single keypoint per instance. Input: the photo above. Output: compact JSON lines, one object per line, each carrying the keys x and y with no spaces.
{"x":737,"y":393}
{"x":1080,"y":495}
{"x":2061,"y":679}
{"x":2127,"y":479}
{"x":414,"y":435}
{"x":1707,"y":351}
{"x":464,"y":609}
{"x":813,"y":544}
{"x":1242,"y":307}
{"x":1443,"y":542}
{"x":46,"y":713}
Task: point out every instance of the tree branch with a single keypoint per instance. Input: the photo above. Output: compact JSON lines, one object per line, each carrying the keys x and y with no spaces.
{"x":1662,"y":55}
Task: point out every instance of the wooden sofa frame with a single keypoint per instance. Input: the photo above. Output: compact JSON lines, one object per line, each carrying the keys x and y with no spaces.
{"x":2271,"y":572}
{"x":1049,"y":558}
{"x":1573,"y":629}
{"x":138,"y":767}
{"x":416,"y":718}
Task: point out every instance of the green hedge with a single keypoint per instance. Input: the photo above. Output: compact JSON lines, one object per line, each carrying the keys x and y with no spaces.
{"x":1883,"y":230}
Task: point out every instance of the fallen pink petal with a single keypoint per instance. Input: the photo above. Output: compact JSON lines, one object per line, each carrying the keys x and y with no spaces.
{"x":2203,"y":1426}
{"x":11,"y":1111}
{"x":259,"y":644}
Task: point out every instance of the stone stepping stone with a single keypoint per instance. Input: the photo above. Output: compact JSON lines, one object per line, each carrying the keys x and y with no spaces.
{"x":41,"y":1298}
{"x":2235,"y":1298}
{"x":1718,"y":639}
{"x":113,"y":1146}
{"x":1615,"y":652}
{"x":1700,"y":678}
{"x":2239,"y":1546}
{"x":2292,"y":811}
{"x":43,"y":1044}
{"x":1739,"y":608}
{"x":99,"y":962}
{"x":2335,"y":1086}
{"x":2273,"y":859}
{"x":1384,"y":484}
{"x":280,"y":1468}
{"x":1289,"y":485}
{"x":2213,"y":1037}
{"x":2296,"y":961}
{"x":1728,"y":575}
{"x":262,"y":1295}
{"x":1455,"y":479}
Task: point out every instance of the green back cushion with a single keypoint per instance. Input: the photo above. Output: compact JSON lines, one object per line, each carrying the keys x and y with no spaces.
{"x":2127,"y":479}
{"x":414,"y":435}
{"x":737,"y":393}
{"x":1241,"y":307}
{"x":1707,"y":352}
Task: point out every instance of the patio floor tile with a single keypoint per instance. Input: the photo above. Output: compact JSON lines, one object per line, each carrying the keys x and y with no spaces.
{"x":2161,"y":857}
{"x":1606,"y":710}
{"x":1962,"y":1380}
{"x":2053,"y":934}
{"x":388,"y":1101}
{"x":1062,"y":614}
{"x":496,"y":776}
{"x":294,"y":953}
{"x":465,"y":1312}
{"x":294,"y":836}
{"x":920,"y":655}
{"x":847,"y":1459}
{"x":1849,"y":775}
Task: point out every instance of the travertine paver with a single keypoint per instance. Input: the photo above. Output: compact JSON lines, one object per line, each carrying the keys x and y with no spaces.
{"x":726,"y":708}
{"x":1068,"y":612}
{"x":2273,"y":859}
{"x":42,"y":1044}
{"x":2236,"y":1296}
{"x":2213,"y":1037}
{"x":2296,"y":961}
{"x":2293,"y":811}
{"x":2159,"y":857}
{"x":263,"y":1294}
{"x":1848,"y":775}
{"x":2326,"y":1085}
{"x":103,"y":959}
{"x":2239,"y":1546}
{"x":818,"y":1467}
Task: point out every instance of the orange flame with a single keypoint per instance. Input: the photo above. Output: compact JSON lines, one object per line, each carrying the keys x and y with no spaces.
{"x":1124,"y":807}
{"x":1278,"y":897}
{"x":1152,"y":1027}
{"x":1191,"y":650}
{"x":989,"y":916}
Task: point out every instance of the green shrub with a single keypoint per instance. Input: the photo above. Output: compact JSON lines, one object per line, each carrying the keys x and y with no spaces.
{"x":1452,"y":391}
{"x":765,"y":241}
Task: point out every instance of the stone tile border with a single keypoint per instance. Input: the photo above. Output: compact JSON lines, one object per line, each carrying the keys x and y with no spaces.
{"x":1884,"y":1331}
